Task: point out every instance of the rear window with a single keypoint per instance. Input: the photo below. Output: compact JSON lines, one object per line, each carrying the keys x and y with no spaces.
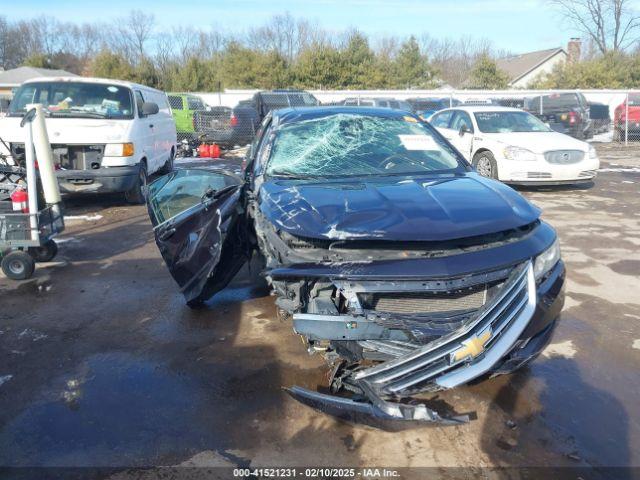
{"x":557,"y":100}
{"x":634,"y":99}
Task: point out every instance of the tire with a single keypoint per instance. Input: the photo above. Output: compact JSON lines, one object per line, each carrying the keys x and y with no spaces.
{"x":485,"y":164}
{"x":168,"y":165}
{"x":136,"y":195}
{"x":18,"y":265}
{"x":44,"y":253}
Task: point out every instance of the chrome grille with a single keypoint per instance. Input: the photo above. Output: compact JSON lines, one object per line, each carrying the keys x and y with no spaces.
{"x":538,"y":175}
{"x":411,"y":303}
{"x":434,"y":367}
{"x":564,"y":157}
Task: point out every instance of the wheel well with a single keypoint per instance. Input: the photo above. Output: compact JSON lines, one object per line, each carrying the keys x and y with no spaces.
{"x":481,"y":150}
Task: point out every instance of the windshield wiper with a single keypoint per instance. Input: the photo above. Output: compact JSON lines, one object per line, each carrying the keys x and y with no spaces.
{"x":290,"y":175}
{"x":75,"y":113}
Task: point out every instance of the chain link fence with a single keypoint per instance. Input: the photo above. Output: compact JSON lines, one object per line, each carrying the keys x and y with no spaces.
{"x":231,"y":119}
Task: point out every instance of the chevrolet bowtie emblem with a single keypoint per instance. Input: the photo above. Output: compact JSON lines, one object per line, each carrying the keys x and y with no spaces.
{"x":472,"y":347}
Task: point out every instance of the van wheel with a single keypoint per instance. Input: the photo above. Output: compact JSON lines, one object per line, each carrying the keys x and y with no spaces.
{"x":137,"y":194}
{"x":485,"y":164}
{"x":168,"y":165}
{"x":18,"y":265}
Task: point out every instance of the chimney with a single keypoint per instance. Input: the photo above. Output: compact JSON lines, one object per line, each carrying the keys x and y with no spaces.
{"x":574,"y":50}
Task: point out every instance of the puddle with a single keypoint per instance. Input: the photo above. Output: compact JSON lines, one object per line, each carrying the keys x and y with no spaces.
{"x":129,"y":411}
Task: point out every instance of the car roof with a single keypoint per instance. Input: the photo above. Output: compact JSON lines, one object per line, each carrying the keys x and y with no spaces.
{"x":110,"y":81}
{"x":287,"y":115}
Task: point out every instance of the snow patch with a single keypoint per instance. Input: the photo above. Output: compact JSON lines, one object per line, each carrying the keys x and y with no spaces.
{"x":66,"y":240}
{"x":621,"y":170}
{"x":636,"y":344}
{"x":85,"y":218}
{"x":5,"y":378}
{"x":564,"y":350}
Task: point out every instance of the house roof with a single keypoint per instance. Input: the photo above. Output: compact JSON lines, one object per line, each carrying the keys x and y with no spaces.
{"x":15,"y":77}
{"x":517,"y":66}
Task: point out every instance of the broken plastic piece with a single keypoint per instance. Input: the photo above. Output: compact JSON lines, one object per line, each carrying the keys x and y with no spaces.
{"x":394,"y":416}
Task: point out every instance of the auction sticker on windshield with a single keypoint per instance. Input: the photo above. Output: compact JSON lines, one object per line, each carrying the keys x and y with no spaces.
{"x":419,"y":142}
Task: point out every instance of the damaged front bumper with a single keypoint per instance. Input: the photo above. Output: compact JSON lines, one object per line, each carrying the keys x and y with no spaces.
{"x":508,"y":332}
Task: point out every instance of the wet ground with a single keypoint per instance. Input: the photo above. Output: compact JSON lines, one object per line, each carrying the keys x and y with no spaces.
{"x":102,"y":364}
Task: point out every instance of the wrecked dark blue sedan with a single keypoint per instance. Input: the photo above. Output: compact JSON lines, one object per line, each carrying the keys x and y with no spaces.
{"x":388,"y":253}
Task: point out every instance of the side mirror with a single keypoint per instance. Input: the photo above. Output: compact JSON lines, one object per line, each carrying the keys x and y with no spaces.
{"x":149,"y":108}
{"x":463,"y":130}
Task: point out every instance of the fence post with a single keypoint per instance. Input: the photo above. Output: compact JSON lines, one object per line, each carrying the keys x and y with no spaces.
{"x":541,"y":96}
{"x":626,"y":120}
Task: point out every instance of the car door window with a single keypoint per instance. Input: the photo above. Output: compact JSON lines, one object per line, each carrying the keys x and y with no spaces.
{"x":175,"y":102}
{"x":182,"y":189}
{"x":442,"y":120}
{"x":461,"y":119}
{"x":195,"y":103}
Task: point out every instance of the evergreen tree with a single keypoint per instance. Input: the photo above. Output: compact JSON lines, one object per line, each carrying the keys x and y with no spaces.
{"x":486,"y":75}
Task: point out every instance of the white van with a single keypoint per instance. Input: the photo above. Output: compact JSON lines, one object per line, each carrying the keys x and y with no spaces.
{"x":106,"y":135}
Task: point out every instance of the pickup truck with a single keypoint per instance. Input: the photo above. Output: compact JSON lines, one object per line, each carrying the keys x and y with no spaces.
{"x":567,"y":113}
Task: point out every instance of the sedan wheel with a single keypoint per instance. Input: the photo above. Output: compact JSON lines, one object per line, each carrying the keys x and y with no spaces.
{"x":486,"y":165}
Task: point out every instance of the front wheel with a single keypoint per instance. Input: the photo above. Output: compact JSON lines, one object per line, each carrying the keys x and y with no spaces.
{"x":137,"y":193}
{"x":18,"y":265}
{"x":485,"y":164}
{"x":44,"y":253}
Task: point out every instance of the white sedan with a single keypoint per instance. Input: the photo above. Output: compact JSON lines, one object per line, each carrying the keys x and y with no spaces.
{"x":514,"y":146}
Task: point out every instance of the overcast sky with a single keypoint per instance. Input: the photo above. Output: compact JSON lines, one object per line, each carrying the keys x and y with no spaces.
{"x":514,"y":25}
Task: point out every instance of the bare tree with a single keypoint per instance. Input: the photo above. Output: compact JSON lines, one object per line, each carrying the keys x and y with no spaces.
{"x":611,"y":24}
{"x":130,"y":35}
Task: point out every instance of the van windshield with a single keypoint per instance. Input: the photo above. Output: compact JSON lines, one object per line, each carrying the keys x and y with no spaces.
{"x":75,"y":99}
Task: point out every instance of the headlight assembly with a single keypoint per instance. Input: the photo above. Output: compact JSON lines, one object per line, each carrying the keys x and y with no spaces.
{"x":519,"y":154}
{"x":546,"y":260}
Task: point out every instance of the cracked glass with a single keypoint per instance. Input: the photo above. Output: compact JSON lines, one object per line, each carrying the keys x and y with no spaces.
{"x":342,"y":145}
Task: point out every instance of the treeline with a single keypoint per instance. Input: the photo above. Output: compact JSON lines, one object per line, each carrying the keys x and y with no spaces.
{"x":284,"y":52}
{"x":611,"y":70}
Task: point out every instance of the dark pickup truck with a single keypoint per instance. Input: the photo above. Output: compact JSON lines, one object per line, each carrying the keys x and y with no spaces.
{"x":564,"y":112}
{"x":227,"y":126}
{"x":266,"y":101}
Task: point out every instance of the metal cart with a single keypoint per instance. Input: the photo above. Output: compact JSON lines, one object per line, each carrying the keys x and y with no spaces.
{"x":26,"y":238}
{"x":21,"y":246}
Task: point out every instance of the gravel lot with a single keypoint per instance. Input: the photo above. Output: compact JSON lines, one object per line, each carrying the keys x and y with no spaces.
{"x":102,"y":364}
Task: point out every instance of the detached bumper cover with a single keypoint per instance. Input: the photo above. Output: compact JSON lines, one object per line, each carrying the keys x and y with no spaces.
{"x":390,"y":417}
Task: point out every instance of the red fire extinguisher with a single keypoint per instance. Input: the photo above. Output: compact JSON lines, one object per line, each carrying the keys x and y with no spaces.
{"x":20,"y":200}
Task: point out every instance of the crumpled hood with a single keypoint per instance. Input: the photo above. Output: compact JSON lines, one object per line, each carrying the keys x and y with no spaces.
{"x":427,"y":209}
{"x":539,"y":142}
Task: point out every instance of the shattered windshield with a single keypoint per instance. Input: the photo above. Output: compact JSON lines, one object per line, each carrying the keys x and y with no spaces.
{"x":343,"y":145}
{"x":508,"y":122}
{"x":75,"y":99}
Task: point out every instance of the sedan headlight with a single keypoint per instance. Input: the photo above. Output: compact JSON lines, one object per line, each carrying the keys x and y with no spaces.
{"x":519,"y":154}
{"x":593,"y":154}
{"x":546,"y":260}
